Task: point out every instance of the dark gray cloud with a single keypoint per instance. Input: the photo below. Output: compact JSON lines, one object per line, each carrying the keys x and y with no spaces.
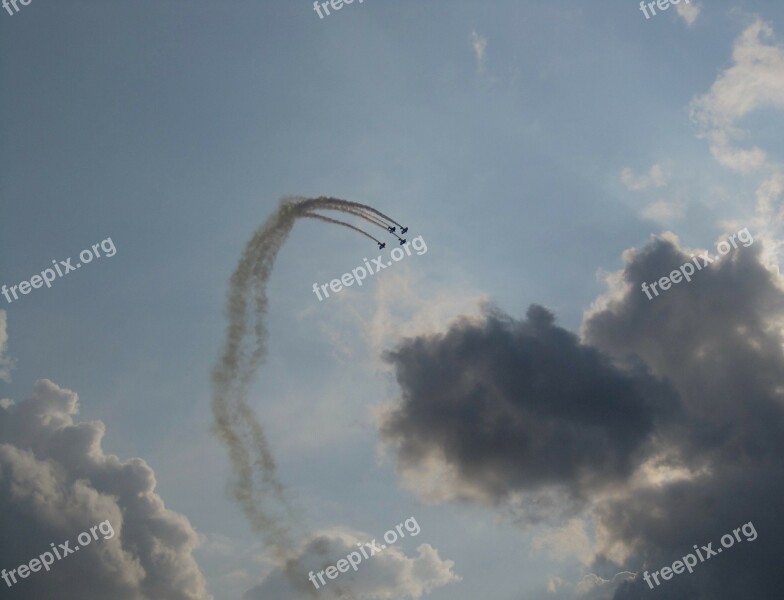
{"x":56,"y":482}
{"x":691,"y":382}
{"x":719,"y":340}
{"x":517,"y":406}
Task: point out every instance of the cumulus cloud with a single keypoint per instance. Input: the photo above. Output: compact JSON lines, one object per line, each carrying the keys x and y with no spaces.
{"x":56,"y":482}
{"x":665,"y":419}
{"x":719,"y":341}
{"x":388,"y":575}
{"x":655,"y":178}
{"x":754,"y":81}
{"x":502,"y":406}
{"x":6,"y":363}
{"x":688,"y":11}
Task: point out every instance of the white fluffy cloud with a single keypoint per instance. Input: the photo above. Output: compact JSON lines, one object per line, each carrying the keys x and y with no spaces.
{"x":56,"y":482}
{"x":388,"y":575}
{"x":754,"y":81}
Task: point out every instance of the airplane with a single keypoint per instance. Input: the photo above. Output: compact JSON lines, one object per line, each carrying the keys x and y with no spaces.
{"x":402,"y":241}
{"x":391,"y":229}
{"x":403,"y":229}
{"x":381,"y":245}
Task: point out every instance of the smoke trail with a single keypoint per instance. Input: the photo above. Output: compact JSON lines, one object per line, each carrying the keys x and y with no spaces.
{"x":369,"y":218}
{"x":360,"y":212}
{"x":336,"y":222}
{"x":365,"y":207}
{"x":253,"y":464}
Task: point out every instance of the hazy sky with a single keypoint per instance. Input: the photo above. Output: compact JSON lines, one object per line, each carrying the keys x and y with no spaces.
{"x":553,"y":153}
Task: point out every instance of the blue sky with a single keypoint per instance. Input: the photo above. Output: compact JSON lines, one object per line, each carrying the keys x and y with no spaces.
{"x":529,"y":143}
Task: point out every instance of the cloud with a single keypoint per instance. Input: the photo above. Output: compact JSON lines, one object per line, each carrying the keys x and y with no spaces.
{"x":754,"y":81}
{"x":588,"y":587}
{"x":6,"y":363}
{"x":497,"y":406}
{"x":719,"y":341}
{"x":661,"y":427}
{"x":479,"y":44}
{"x":593,"y":587}
{"x":403,"y":303}
{"x":770,"y":216}
{"x":56,"y":482}
{"x":386,"y":576}
{"x":569,"y":541}
{"x":404,"y":306}
{"x":655,"y":178}
{"x":688,"y":12}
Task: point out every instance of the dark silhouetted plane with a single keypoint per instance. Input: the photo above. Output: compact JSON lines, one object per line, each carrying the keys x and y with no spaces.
{"x":381,"y":245}
{"x":402,"y":241}
{"x":403,"y":229}
{"x":391,"y":229}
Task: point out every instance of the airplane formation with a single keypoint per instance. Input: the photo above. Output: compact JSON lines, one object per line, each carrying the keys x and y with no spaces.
{"x":382,"y":245}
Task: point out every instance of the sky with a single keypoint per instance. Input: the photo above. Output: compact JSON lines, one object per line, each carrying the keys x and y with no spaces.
{"x":526,"y":390}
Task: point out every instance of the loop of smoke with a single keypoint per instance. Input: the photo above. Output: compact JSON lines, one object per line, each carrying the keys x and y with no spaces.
{"x":253,"y":464}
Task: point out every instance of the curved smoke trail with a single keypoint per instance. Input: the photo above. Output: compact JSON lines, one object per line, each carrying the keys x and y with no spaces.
{"x":310,"y":215}
{"x":360,"y":206}
{"x":367,"y":217}
{"x":370,"y":219}
{"x":253,"y":464}
{"x":364,"y":212}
